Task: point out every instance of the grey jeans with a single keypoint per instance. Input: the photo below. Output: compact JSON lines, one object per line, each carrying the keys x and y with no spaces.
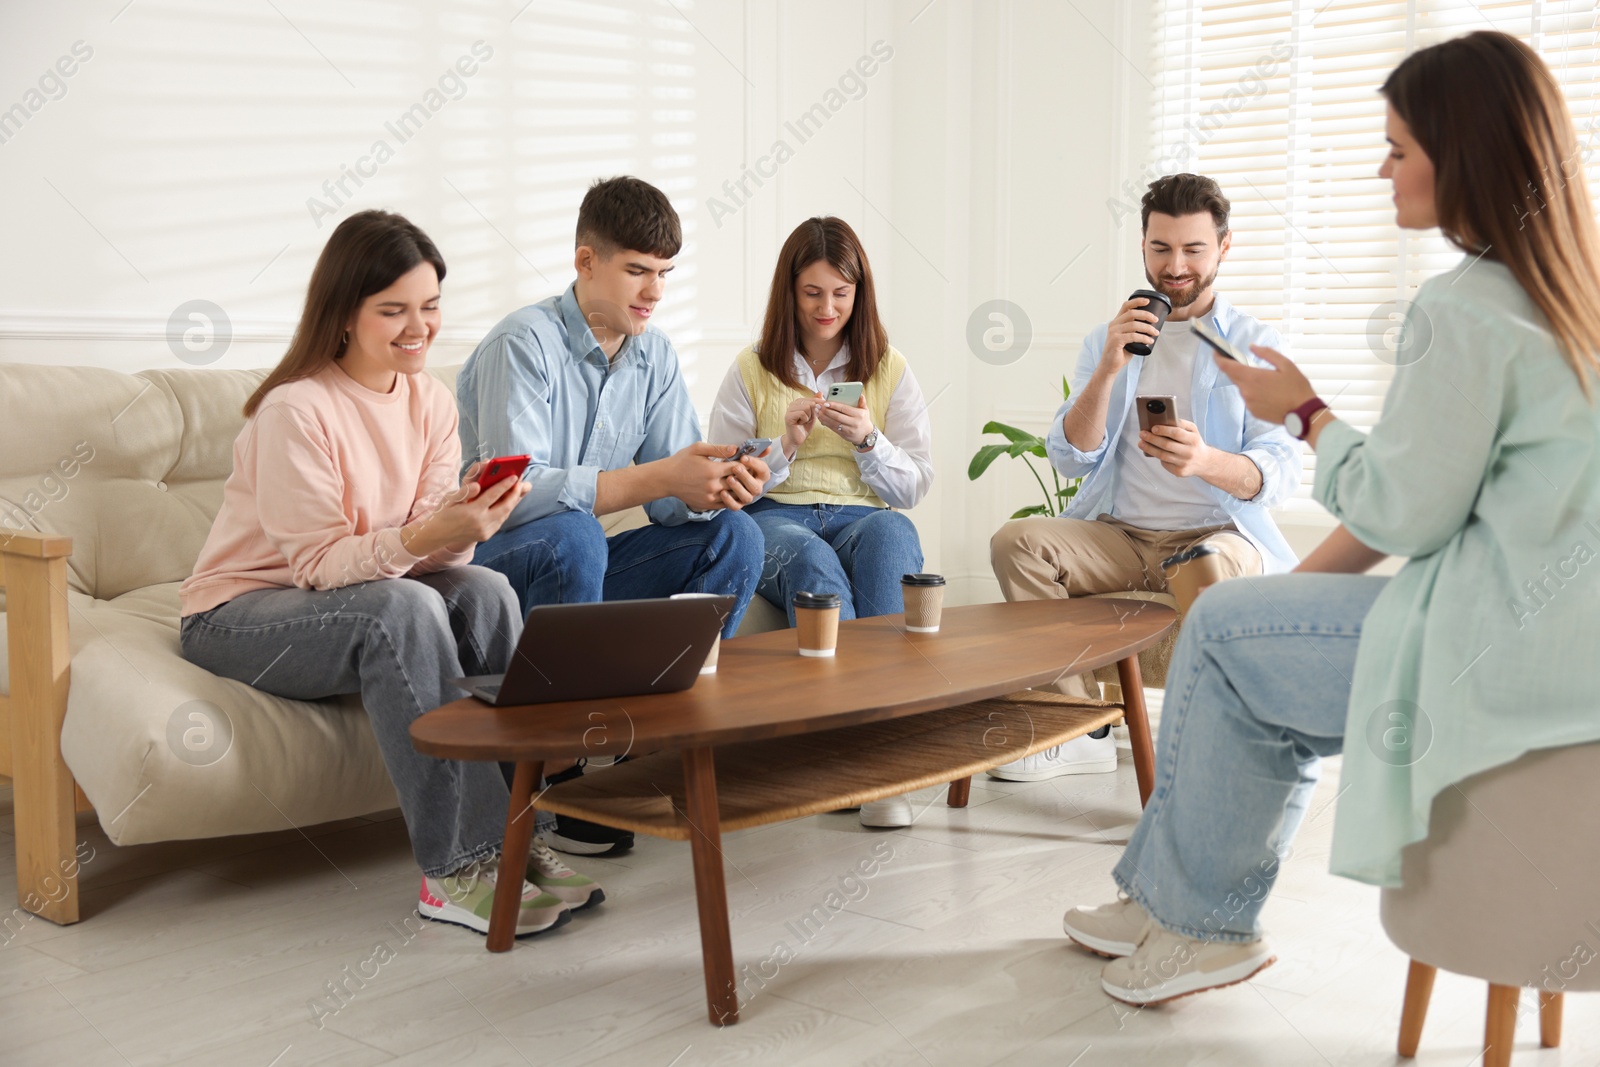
{"x":397,"y":642}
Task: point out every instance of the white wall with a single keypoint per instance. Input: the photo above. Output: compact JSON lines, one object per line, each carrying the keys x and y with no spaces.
{"x":976,"y":163}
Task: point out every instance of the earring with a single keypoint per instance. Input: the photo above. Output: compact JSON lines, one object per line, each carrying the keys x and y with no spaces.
{"x":346,"y":339}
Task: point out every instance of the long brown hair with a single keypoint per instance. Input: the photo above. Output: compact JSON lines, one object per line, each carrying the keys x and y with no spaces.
{"x":366,"y":253}
{"x":1508,"y":175}
{"x":832,"y":240}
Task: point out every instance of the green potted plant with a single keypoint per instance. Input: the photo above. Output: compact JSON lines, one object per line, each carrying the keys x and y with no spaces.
{"x":1019,"y":444}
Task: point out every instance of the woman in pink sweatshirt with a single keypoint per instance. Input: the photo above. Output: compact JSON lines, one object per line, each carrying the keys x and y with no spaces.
{"x":338,"y":563}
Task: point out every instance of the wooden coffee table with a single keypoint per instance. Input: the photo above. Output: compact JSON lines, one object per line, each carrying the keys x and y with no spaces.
{"x":793,"y":735}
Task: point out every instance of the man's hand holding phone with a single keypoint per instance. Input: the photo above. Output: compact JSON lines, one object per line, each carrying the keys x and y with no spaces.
{"x":747,"y":474}
{"x":1179,"y":447}
{"x":703,"y":478}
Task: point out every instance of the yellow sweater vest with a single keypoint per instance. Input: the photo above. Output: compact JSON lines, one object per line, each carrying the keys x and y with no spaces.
{"x":824,"y":471}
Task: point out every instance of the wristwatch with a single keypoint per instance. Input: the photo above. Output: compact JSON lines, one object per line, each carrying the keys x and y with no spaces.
{"x":868,"y":442}
{"x":1298,"y":421}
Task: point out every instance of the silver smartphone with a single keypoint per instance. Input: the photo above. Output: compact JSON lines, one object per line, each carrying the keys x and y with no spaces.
{"x":751,"y":446}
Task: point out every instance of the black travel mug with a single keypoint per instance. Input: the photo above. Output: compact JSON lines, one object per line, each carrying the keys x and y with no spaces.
{"x":1160,"y":307}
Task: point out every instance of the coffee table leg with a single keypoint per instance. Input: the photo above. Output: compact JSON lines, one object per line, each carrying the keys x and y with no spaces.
{"x":710,"y":889}
{"x":959,"y":792}
{"x":513,"y":857}
{"x":1144,"y":751}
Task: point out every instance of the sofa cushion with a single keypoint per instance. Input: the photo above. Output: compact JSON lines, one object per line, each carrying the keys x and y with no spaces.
{"x":129,"y":466}
{"x":166,"y":750}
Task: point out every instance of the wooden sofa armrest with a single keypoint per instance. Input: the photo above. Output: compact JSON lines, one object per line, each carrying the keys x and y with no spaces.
{"x":33,"y":572}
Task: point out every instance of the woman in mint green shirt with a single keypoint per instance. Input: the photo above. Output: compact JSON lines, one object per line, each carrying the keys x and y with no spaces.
{"x":1483,"y":470}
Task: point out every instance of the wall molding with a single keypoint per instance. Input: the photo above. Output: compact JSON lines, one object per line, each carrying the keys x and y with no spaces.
{"x":103,"y":326}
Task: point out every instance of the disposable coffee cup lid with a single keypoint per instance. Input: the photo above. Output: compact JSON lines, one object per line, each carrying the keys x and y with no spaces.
{"x":922,"y":579}
{"x":816,"y":600}
{"x":1152,"y":294}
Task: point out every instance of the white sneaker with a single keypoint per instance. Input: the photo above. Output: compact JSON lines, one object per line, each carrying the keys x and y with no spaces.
{"x":888,"y":813}
{"x":1110,"y":930}
{"x":1166,"y":966}
{"x":1081,"y":755}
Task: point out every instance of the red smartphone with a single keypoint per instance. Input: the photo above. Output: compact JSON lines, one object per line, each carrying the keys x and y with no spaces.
{"x":502,"y":467}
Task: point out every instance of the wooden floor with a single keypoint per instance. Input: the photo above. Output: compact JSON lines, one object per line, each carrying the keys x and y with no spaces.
{"x":951,"y":953}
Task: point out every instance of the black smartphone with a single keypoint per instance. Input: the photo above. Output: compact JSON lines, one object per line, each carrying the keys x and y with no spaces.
{"x":1218,"y":342}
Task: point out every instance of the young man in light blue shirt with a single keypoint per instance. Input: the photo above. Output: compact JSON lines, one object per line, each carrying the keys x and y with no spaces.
{"x":587,"y":387}
{"x":1149,"y":494}
{"x":592,"y":392}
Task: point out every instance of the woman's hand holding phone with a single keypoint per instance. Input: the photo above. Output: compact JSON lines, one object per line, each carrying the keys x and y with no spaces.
{"x":1269,"y":394}
{"x":468,"y":516}
{"x":850,"y":421}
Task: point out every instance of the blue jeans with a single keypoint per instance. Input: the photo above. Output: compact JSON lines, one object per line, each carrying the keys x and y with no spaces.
{"x":1256,"y":695}
{"x":566,"y":558}
{"x":397,"y":642}
{"x":854,"y":550}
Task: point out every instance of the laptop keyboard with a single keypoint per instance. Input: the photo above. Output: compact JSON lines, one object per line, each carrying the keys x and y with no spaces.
{"x":490,"y":690}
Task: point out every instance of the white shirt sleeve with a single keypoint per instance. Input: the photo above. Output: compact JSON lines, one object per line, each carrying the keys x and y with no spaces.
{"x":900,"y":466}
{"x":733,"y":418}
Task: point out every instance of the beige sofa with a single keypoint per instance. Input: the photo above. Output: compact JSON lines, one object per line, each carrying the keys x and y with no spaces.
{"x":113,"y":481}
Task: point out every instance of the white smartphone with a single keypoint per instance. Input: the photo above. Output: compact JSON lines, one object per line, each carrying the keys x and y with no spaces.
{"x":846,"y":393}
{"x":1219,"y":342}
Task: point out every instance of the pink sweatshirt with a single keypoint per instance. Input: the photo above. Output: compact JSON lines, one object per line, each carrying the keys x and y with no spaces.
{"x":324,"y":475}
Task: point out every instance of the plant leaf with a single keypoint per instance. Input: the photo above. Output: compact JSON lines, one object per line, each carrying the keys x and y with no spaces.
{"x":981,"y":460}
{"x":1066,"y":388}
{"x":1012,"y":434}
{"x":1031,"y":509}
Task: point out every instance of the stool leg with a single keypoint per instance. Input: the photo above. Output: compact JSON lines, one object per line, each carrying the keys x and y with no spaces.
{"x":1549,"y":1019}
{"x":960,"y":791}
{"x":1419,"y":990}
{"x":1499,"y":1029}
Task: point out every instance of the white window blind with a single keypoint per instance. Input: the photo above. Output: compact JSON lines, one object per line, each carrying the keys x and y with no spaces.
{"x":1278,"y":101}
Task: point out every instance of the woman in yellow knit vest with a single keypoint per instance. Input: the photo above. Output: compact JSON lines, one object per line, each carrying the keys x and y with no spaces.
{"x":838,"y":470}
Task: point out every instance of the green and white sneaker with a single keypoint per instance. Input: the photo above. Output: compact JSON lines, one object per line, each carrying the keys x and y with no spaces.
{"x":467,"y":897}
{"x":556,"y":879}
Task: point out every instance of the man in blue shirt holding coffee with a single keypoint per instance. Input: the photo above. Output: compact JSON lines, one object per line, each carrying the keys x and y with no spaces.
{"x":1149,"y":494}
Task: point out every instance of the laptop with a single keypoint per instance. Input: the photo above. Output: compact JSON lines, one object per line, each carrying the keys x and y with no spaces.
{"x":616,"y":648}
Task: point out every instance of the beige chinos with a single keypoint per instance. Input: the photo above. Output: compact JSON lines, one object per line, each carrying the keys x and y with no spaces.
{"x":1040,"y":558}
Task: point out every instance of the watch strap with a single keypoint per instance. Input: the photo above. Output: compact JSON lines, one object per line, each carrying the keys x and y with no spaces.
{"x":1305,"y":413}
